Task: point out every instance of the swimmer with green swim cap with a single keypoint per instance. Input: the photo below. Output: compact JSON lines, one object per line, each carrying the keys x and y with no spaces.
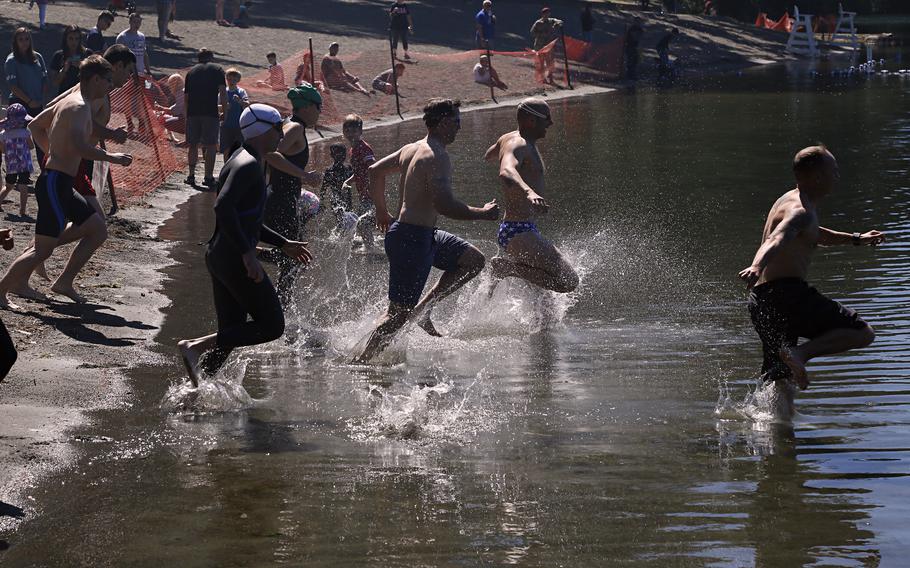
{"x":289,"y":173}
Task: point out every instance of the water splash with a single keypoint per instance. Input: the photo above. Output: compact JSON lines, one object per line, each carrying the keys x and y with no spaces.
{"x":765,"y":404}
{"x":222,"y":393}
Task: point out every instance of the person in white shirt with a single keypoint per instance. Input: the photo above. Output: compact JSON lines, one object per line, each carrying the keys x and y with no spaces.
{"x":486,"y":75}
{"x":133,"y":39}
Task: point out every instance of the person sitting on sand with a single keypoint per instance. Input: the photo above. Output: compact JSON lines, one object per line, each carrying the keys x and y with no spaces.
{"x":304,"y":73}
{"x":334,"y":74}
{"x":782,"y":305}
{"x":173,"y":117}
{"x":241,"y":286}
{"x":486,"y":75}
{"x":386,"y":83}
{"x":276,"y":80}
{"x":524,"y":253}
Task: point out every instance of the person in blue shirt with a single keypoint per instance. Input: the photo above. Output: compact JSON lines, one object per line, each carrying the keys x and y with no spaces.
{"x":485,"y":23}
{"x":95,"y":38}
{"x":237,"y":101}
{"x":26,"y":75}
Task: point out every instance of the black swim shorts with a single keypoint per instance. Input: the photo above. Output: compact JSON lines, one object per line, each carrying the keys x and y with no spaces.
{"x":784,"y":310}
{"x":58,"y":203}
{"x":413,"y":250}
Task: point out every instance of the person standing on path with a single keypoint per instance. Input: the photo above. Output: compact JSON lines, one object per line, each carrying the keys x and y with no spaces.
{"x":524,"y":252}
{"x":633,"y":39}
{"x":413,"y":244}
{"x":663,"y":52}
{"x":68,"y":142}
{"x":240,"y":286}
{"x":543,"y":32}
{"x":400,"y":24}
{"x":42,"y":12}
{"x":16,"y":142}
{"x":163,"y":9}
{"x":287,"y":174}
{"x":485,"y":26}
{"x":95,"y":39}
{"x":205,"y":98}
{"x":65,"y":63}
{"x":135,"y":41}
{"x":26,"y":75}
{"x":782,"y":305}
{"x":587,"y":24}
{"x":237,"y":101}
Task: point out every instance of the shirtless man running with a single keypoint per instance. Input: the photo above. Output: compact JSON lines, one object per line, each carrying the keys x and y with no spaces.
{"x":68,"y":142}
{"x":413,"y":244}
{"x":524,"y":252}
{"x":782,"y":305}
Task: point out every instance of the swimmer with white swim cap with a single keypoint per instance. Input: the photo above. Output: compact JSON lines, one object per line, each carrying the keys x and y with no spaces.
{"x":524,"y":253}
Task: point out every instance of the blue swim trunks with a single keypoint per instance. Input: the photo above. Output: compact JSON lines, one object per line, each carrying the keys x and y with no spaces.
{"x":412,"y":251}
{"x":508,"y":230}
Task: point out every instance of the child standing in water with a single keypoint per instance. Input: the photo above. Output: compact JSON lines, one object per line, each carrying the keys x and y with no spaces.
{"x":333,"y":181}
{"x":17,"y":152}
{"x":361,"y":159}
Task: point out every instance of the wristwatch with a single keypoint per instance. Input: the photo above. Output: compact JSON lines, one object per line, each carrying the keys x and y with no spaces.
{"x":857,"y":239}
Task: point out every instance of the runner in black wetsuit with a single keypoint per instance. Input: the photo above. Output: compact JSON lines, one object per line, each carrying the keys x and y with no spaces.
{"x":287,"y":173}
{"x":241,"y":287}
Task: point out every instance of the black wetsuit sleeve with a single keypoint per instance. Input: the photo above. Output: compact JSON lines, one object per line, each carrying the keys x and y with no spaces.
{"x":270,"y":237}
{"x":228,"y":205}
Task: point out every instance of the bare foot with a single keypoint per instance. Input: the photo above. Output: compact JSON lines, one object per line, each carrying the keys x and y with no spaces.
{"x":29,"y":293}
{"x":41,"y":271}
{"x":190,"y":360}
{"x":68,"y":291}
{"x":7,"y":305}
{"x":797,"y":367}
{"x":426,"y":324}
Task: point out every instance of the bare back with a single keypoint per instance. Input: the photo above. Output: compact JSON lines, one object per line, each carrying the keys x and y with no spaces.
{"x":514,"y":149}
{"x":70,"y":128}
{"x":793,"y":260}
{"x":424,"y":167}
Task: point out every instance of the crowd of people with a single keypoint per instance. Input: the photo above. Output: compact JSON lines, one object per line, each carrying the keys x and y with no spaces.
{"x":261,"y":196}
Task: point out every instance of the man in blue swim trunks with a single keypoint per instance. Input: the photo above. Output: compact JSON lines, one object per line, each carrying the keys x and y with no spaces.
{"x":413,"y":244}
{"x":524,"y":252}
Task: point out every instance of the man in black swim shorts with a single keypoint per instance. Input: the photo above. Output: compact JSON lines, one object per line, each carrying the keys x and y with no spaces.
{"x":782,"y":305}
{"x":413,"y":244}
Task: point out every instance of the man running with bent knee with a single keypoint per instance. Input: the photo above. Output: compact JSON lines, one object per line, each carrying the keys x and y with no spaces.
{"x":525,"y":253}
{"x":413,"y":244}
{"x":782,"y":305}
{"x":68,"y":143}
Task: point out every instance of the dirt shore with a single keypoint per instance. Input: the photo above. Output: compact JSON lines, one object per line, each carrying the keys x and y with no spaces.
{"x":72,"y":358}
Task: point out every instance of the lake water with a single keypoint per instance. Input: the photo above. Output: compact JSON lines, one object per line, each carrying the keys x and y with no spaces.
{"x":604,"y":428}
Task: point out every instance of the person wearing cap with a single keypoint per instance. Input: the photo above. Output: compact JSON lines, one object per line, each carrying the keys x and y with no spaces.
{"x":68,"y":142}
{"x":413,"y":244}
{"x":485,"y":26}
{"x":486,"y":75}
{"x":205,"y":99}
{"x":543,"y":32}
{"x":95,"y":38}
{"x":17,"y":151}
{"x":335,"y":75}
{"x":246,"y":303}
{"x":287,"y":172}
{"x":524,"y":253}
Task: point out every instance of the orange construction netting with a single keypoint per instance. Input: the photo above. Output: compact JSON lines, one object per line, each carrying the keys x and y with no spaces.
{"x":784,"y":24}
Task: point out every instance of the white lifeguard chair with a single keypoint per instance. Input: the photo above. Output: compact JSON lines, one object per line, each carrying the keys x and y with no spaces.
{"x":845,"y":31}
{"x":802,"y":37}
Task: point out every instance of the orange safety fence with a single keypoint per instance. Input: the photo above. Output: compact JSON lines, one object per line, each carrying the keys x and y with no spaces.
{"x":784,"y":24}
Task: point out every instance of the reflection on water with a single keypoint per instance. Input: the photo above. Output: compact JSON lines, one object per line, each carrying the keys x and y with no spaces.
{"x":545,"y":431}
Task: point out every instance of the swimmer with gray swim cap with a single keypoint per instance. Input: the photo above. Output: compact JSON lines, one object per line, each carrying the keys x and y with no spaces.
{"x":242,"y":290}
{"x":524,"y":253}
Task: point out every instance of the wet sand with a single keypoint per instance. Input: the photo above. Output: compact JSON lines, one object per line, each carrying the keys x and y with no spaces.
{"x":72,"y":359}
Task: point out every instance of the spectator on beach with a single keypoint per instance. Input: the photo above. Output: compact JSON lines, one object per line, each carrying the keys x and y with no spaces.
{"x":663,"y":51}
{"x":242,"y":17}
{"x":633,"y":39}
{"x":133,"y":39}
{"x":305,"y":71}
{"x":334,"y":74}
{"x":164,"y":10}
{"x":486,"y":75}
{"x":276,"y":80}
{"x":545,"y":30}
{"x":42,"y":11}
{"x":334,"y":178}
{"x":386,"y":83}
{"x":204,"y":91}
{"x":400,"y":24}
{"x":64,"y":70}
{"x":587,"y":24}
{"x":237,"y":99}
{"x":173,"y":117}
{"x":485,"y":26}
{"x":219,"y":14}
{"x":17,"y":151}
{"x":26,"y":75}
{"x":95,"y":38}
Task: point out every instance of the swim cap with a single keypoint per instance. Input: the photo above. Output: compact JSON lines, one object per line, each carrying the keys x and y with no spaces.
{"x":257,"y":119}
{"x":304,"y":95}
{"x":308,"y":204}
